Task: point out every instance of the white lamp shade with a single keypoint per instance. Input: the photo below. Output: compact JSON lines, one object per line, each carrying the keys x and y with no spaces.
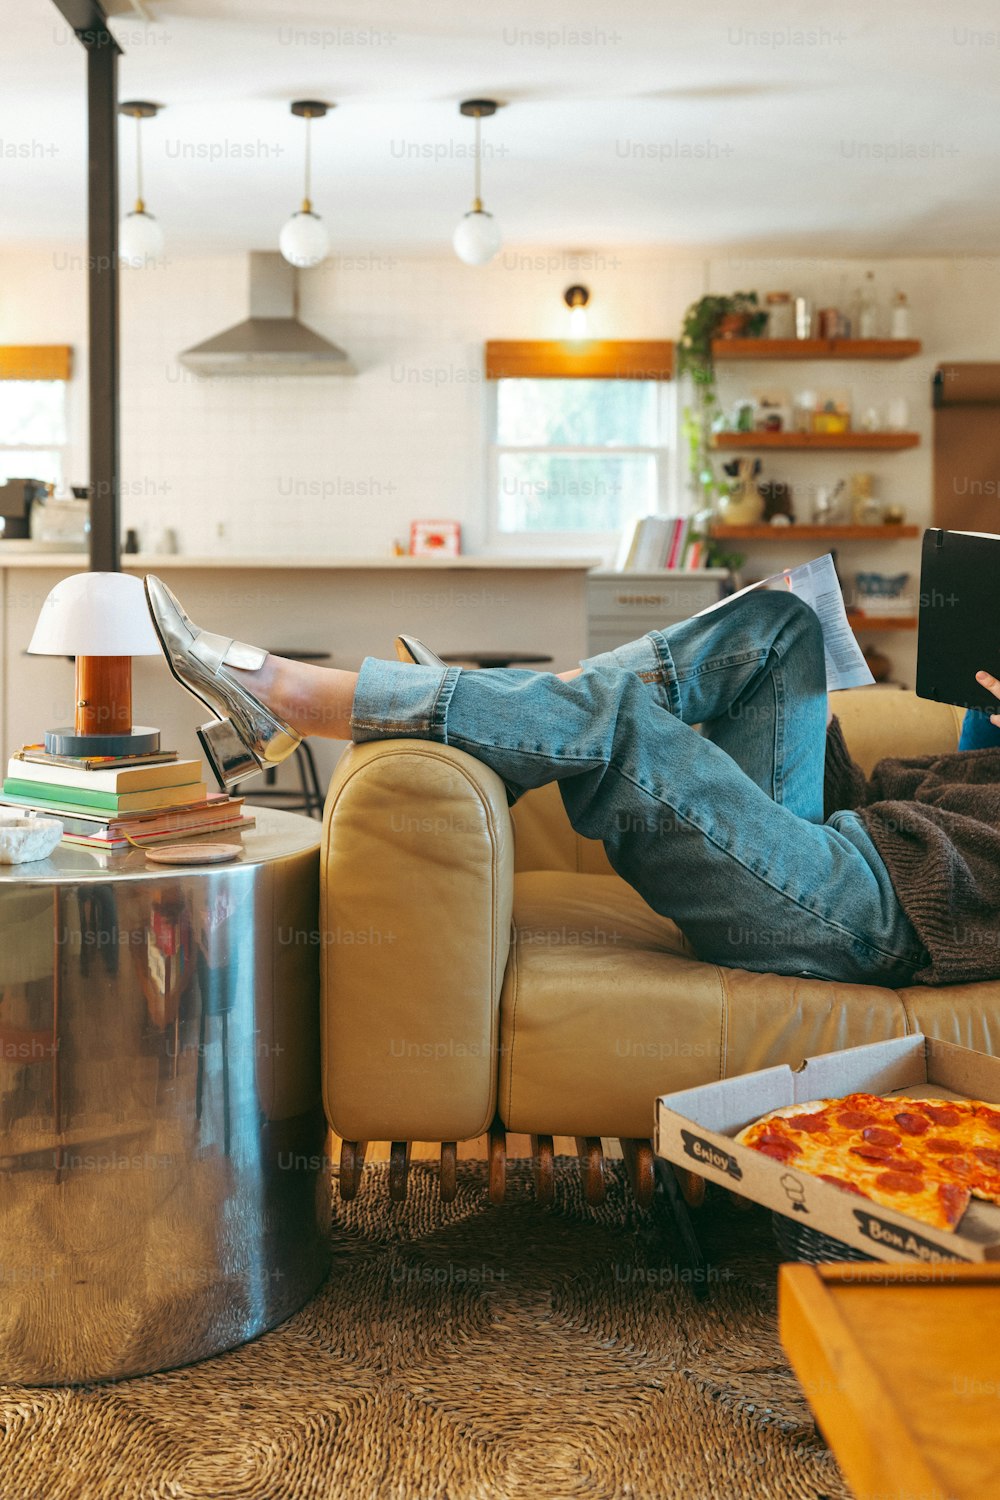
{"x":477,"y":238}
{"x":140,"y":240}
{"x":95,"y":614}
{"x":304,"y":241}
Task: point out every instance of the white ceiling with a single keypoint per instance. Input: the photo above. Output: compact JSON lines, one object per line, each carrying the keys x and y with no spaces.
{"x":839,"y":129}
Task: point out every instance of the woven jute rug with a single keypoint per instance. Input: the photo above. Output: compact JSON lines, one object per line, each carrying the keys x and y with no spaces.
{"x":470,"y":1353}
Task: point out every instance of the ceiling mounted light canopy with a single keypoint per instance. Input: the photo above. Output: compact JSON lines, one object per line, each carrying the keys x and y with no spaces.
{"x":576,"y":299}
{"x":140,"y":238}
{"x":304,"y":241}
{"x":477,"y":238}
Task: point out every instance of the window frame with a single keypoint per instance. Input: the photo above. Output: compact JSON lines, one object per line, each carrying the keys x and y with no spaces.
{"x":59,"y":450}
{"x":570,"y":543}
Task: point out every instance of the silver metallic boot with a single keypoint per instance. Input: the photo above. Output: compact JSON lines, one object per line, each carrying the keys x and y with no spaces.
{"x":247,"y":737}
{"x":408,"y":648}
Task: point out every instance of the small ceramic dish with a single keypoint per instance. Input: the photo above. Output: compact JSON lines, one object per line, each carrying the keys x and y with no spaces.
{"x":24,"y":839}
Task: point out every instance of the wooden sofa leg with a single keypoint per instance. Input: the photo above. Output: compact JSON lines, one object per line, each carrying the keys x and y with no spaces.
{"x":498,"y":1161}
{"x":588,"y":1149}
{"x":448,"y":1175}
{"x":639,"y":1160}
{"x":545,"y":1169}
{"x":691,"y":1185}
{"x":399,"y":1167}
{"x":352,"y":1159}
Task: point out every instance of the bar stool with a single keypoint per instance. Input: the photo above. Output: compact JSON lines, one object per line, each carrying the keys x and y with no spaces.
{"x":497,"y":658}
{"x":309,"y":797}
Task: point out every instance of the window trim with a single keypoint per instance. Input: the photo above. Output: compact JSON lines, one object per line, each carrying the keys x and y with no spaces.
{"x":570,"y":543}
{"x":590,"y":359}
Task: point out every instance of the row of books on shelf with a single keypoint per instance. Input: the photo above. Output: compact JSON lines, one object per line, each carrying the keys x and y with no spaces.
{"x":113,"y":802}
{"x":653,"y":543}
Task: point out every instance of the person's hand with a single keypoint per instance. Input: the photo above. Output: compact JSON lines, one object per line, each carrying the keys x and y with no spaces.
{"x":990,"y":683}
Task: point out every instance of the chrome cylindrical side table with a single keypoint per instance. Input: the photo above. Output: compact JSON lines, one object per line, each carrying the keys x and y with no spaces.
{"x":163,"y":1192}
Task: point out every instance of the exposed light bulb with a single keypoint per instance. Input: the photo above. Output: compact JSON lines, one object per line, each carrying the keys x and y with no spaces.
{"x":477,"y":238}
{"x":140,"y":240}
{"x":304,"y":241}
{"x":578,"y":322}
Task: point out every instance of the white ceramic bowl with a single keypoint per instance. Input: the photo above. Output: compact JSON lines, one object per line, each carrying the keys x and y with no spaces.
{"x":23,"y":838}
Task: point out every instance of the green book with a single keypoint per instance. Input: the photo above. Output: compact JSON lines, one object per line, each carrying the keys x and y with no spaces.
{"x":118,"y":802}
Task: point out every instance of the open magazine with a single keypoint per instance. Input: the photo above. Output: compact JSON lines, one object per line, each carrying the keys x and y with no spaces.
{"x":817,"y":584}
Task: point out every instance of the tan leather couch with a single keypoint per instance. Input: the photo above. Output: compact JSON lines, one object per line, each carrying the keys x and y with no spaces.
{"x":481,"y":960}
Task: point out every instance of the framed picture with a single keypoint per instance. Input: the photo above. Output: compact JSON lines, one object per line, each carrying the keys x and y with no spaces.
{"x":435,"y":538}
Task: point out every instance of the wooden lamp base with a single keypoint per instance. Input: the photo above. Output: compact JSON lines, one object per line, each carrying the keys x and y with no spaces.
{"x":103,"y":695}
{"x":102,"y":723}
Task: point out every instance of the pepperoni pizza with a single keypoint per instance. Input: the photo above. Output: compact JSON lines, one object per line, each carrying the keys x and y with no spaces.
{"x":924,"y":1157}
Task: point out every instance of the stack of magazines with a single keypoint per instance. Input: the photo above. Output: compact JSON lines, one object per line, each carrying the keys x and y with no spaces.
{"x":111,"y":802}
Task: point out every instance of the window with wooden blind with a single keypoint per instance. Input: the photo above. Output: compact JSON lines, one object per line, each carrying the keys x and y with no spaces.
{"x":581,"y":439}
{"x":33,"y":421}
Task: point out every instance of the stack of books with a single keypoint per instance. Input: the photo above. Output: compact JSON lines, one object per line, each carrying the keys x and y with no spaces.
{"x":112,"y":802}
{"x":656,"y":542}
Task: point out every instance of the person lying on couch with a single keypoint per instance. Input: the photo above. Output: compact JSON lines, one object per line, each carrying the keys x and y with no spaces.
{"x":758,"y":834}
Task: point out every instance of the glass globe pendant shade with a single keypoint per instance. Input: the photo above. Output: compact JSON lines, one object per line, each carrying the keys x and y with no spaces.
{"x":477,"y":238}
{"x":304,"y":241}
{"x":140,"y":240}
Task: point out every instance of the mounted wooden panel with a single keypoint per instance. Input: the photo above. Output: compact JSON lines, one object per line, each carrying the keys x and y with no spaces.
{"x":35,"y":361}
{"x":967,"y":446}
{"x":595,"y":359}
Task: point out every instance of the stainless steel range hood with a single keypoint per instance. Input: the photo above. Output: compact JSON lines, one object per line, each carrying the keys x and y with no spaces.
{"x":271,"y":341}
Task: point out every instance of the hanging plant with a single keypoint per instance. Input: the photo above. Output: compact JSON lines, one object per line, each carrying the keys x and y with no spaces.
{"x":710,"y":318}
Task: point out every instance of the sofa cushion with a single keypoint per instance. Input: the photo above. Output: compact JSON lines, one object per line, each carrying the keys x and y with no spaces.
{"x":604,"y":1008}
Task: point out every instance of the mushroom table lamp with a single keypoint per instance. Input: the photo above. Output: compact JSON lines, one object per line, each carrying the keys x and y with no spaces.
{"x":102,"y":620}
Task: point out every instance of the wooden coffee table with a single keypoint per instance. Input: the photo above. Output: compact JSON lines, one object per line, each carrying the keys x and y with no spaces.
{"x":901,"y":1366}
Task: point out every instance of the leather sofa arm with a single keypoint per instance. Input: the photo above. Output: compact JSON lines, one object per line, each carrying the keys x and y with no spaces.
{"x":416,"y":889}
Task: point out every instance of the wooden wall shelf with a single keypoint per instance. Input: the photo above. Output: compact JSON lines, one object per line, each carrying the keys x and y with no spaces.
{"x":815,"y":348}
{"x":882,"y":622}
{"x":807,"y":533}
{"x":887,"y":442}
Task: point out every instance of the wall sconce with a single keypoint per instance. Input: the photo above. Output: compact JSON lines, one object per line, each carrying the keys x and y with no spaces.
{"x":576,"y":299}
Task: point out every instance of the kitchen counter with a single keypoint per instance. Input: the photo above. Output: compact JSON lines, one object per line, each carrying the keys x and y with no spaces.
{"x":155,"y":563}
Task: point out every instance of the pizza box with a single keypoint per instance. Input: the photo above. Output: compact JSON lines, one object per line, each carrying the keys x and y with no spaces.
{"x":694,"y":1129}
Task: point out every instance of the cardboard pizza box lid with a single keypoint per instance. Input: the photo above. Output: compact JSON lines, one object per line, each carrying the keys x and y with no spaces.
{"x":916,"y":1065}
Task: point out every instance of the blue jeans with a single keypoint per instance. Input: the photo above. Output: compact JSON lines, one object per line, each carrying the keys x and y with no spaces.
{"x":722,"y":829}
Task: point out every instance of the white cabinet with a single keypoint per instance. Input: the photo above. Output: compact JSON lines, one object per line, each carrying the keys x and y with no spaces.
{"x":623,"y":606}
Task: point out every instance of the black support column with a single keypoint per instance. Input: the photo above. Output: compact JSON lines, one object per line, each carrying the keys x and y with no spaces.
{"x":89,"y":22}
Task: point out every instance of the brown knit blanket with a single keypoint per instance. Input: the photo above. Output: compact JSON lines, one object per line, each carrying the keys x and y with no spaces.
{"x":935,"y":820}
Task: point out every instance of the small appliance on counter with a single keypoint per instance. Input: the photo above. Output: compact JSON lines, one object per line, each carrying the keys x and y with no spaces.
{"x":17,"y":497}
{"x":61,"y":523}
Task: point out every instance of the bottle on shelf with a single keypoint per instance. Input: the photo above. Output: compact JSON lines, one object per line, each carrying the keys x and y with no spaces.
{"x":902,"y":324}
{"x":867,"y":319}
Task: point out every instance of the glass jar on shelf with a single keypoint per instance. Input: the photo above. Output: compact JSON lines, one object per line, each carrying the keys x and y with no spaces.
{"x":780,"y":315}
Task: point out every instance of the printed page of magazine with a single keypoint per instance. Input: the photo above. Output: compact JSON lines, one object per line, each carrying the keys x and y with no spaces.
{"x":817,"y":584}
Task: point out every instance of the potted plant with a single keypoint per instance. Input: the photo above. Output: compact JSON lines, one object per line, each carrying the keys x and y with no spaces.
{"x":710,"y":318}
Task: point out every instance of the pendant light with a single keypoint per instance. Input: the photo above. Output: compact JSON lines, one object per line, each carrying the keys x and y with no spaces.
{"x":140,"y":238}
{"x":477,"y":238}
{"x":304,"y":240}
